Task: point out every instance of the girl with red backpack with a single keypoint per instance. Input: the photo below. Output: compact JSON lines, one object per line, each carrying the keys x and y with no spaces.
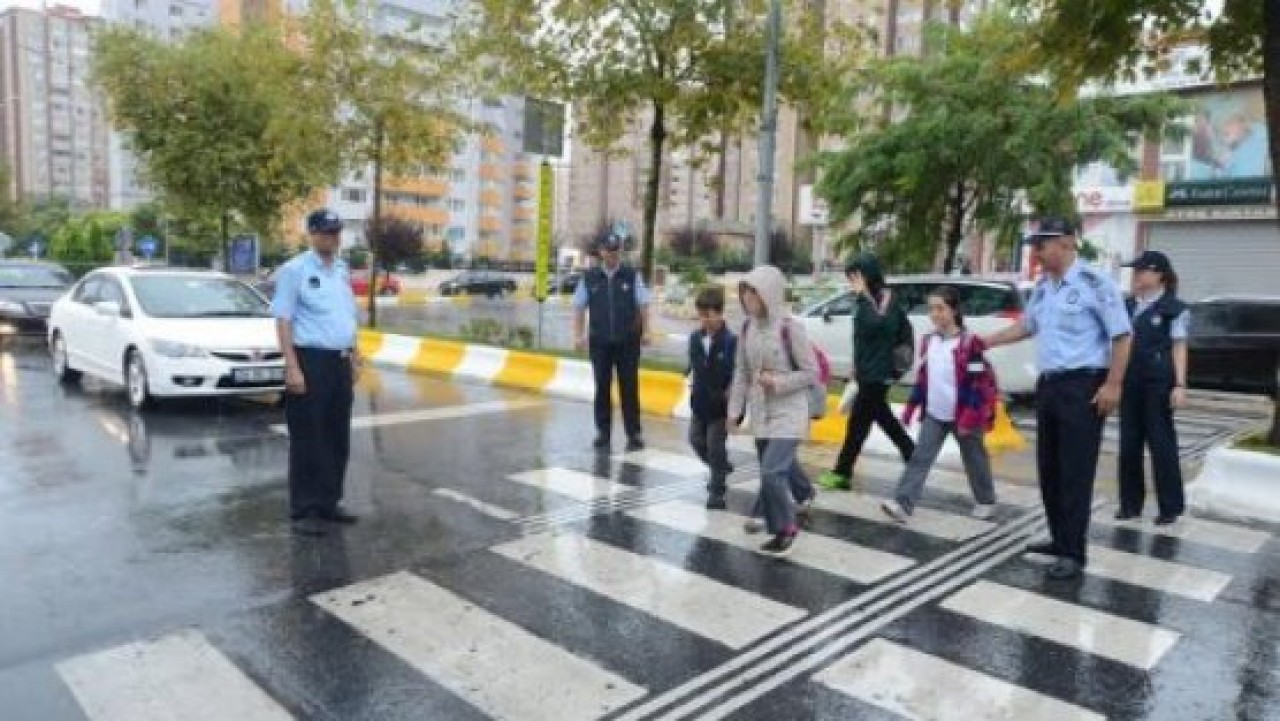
{"x":956,"y":387}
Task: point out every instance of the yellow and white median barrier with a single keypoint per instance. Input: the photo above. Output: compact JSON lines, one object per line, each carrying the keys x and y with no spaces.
{"x":662,"y":393}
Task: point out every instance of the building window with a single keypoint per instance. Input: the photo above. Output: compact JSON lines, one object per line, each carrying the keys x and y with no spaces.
{"x":458,"y":175}
{"x":1175,"y":153}
{"x":354,"y":195}
{"x":457,"y":205}
{"x":175,"y":11}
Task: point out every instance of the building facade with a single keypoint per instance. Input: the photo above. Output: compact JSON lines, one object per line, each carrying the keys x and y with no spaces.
{"x":53,"y":127}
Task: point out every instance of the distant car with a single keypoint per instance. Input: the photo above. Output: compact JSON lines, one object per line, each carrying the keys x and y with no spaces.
{"x":166,"y":333}
{"x":989,"y":303}
{"x":473,"y":282}
{"x":1234,"y":344}
{"x":567,"y":285}
{"x":27,"y":292}
{"x":388,"y":283}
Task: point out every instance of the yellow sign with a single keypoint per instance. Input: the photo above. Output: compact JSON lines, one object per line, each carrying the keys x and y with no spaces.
{"x":1149,"y":195}
{"x":542,"y":260}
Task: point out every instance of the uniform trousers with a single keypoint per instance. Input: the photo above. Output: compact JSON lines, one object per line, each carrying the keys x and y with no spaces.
{"x":1068,"y":440}
{"x":319,"y":421}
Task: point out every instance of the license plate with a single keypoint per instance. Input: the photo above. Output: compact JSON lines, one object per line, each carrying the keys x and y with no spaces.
{"x":258,"y":375}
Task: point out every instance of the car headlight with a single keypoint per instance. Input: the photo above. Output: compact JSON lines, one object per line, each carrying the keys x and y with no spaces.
{"x":173,"y":349}
{"x":8,"y":306}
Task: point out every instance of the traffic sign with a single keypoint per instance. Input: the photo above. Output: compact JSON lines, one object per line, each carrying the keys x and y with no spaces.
{"x":148,"y":246}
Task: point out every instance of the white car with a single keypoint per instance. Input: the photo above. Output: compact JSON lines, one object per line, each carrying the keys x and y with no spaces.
{"x":989,"y":303}
{"x":165,"y":333}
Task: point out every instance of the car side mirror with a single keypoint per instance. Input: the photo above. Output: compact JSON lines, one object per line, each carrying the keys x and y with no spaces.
{"x":108,"y":308}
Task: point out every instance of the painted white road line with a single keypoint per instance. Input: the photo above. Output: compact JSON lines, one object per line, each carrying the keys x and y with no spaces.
{"x":1197,"y":530}
{"x":948,"y":526}
{"x":674,"y":463}
{"x":431,"y":414}
{"x":1127,"y":641}
{"x":918,"y":686}
{"x":476,"y":504}
{"x":847,"y":560}
{"x":1166,"y":576}
{"x":711,"y":609}
{"x":179,"y":676}
{"x":952,"y":482}
{"x":574,"y":484}
{"x":498,"y":667}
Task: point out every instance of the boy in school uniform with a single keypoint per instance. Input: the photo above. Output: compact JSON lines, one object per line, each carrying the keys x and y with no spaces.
{"x":712,"y":350}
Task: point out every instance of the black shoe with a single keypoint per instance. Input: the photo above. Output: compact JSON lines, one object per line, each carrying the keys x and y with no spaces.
{"x":310,"y":526}
{"x":338,"y":515}
{"x":635,"y":444}
{"x":601,"y":443}
{"x":717,"y":503}
{"x":1166,"y":520}
{"x":1044,"y":549}
{"x":1066,"y":569}
{"x":1126,"y":515}
{"x":779,"y":546}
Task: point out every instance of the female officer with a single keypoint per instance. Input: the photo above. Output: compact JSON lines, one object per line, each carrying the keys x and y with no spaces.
{"x":1154,"y":385}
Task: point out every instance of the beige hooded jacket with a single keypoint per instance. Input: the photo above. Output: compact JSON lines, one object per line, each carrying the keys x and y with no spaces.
{"x":783,"y":413}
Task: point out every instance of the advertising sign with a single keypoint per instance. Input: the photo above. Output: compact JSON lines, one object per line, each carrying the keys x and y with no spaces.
{"x":1105,"y":199}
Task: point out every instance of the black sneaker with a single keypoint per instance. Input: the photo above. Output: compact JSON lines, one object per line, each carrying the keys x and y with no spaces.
{"x":339,"y":515}
{"x":780,"y":545}
{"x":716,"y":503}
{"x":1066,"y":569}
{"x":601,"y":443}
{"x":1126,"y":515}
{"x":635,"y":444}
{"x":1166,"y":520}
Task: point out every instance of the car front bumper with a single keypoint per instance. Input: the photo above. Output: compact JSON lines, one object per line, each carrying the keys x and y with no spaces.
{"x":195,"y":377}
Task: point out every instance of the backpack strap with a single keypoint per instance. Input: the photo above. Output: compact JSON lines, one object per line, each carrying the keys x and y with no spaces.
{"x":786,"y":344}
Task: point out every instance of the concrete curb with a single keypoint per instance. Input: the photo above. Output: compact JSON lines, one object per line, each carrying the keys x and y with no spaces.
{"x":662,"y":393}
{"x":1238,"y":484}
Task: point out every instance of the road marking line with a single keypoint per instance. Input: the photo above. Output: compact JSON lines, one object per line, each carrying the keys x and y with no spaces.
{"x":709,"y":608}
{"x":459,"y":645}
{"x":1197,"y":530}
{"x":574,"y":484}
{"x":179,"y":676}
{"x":476,"y":504}
{"x":916,"y":685}
{"x":948,"y":526}
{"x":431,"y":414}
{"x":847,"y":560}
{"x":774,"y":652}
{"x":1131,"y":642}
{"x":677,"y":464}
{"x":1166,"y":576}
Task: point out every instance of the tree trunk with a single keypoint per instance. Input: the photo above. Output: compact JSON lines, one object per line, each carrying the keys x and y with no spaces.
{"x":1271,"y":99}
{"x":224,"y":229}
{"x":955,"y":235}
{"x":375,"y":223}
{"x":657,"y":138}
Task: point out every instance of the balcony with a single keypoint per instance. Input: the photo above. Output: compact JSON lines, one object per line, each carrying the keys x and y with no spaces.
{"x":522,"y":234}
{"x":490,"y":199}
{"x":430,"y":187}
{"x":524,"y":191}
{"x":523,"y":171}
{"x":525,"y":213}
{"x":489,"y":171}
{"x":490,"y":224}
{"x":492,"y":144}
{"x":418,"y":213}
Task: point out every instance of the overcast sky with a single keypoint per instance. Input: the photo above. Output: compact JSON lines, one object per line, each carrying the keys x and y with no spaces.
{"x":89,"y":7}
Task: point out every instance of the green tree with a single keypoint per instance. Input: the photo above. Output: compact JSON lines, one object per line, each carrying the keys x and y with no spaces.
{"x":393,"y":91}
{"x":974,"y":141}
{"x":396,"y":241}
{"x":229,"y":125}
{"x":691,"y":70}
{"x":88,"y":239}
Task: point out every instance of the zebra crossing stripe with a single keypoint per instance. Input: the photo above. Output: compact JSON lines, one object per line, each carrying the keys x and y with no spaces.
{"x":431,"y":414}
{"x":574,"y":484}
{"x":947,"y":526}
{"x":714,"y":610}
{"x":179,"y":676}
{"x":476,"y":504}
{"x":677,"y":464}
{"x":916,"y":685}
{"x":847,"y":560}
{"x":774,"y":655}
{"x":1131,"y":642}
{"x":1198,"y":584}
{"x":1197,"y":530}
{"x":460,"y":646}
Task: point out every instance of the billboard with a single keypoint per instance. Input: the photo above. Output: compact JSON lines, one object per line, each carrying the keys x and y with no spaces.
{"x":1228,"y":136}
{"x":543,"y":127}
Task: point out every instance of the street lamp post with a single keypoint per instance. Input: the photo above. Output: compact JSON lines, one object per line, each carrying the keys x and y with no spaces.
{"x":768,"y":135}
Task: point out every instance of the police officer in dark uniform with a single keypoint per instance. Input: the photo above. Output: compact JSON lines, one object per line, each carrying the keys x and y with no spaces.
{"x":1154,"y":386}
{"x":614,"y":297}
{"x":316,"y":314}
{"x":1083,"y":332}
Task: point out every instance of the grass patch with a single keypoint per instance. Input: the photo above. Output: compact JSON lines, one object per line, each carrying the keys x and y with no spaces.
{"x":1259,"y":444}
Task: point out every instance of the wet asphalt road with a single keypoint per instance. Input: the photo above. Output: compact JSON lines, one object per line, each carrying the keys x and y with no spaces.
{"x":119,"y":529}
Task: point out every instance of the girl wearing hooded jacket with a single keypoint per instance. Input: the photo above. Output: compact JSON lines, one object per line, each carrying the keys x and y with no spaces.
{"x":772,"y":375}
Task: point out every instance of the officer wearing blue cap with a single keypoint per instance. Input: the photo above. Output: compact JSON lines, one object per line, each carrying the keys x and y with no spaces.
{"x":1083,"y":330}
{"x":614,"y":297}
{"x":316,"y":314}
{"x":1155,"y":384}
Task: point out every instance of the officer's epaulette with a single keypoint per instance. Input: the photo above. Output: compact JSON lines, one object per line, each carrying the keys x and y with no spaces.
{"x":1091,"y":277}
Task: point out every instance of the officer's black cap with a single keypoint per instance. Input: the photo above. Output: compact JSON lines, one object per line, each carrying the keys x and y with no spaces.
{"x":1052,"y":227}
{"x":612,"y":241}
{"x":1151,"y":260}
{"x":324,"y":221}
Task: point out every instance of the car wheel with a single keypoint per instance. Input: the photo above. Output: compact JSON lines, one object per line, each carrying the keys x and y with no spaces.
{"x":135,"y":378}
{"x":61,"y":362}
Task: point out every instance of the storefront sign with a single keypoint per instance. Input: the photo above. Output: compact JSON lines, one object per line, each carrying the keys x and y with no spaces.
{"x":1149,"y":195}
{"x":1239,"y":212}
{"x":1105,"y":199}
{"x":1219,"y":192}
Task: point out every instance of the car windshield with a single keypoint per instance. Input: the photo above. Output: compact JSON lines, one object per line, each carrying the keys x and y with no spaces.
{"x":33,"y":276}
{"x":175,"y":296}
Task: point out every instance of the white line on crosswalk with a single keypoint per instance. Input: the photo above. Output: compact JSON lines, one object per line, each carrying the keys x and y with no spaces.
{"x":677,"y":464}
{"x":952,"y":482}
{"x":179,"y":676}
{"x":574,"y":484}
{"x":948,"y":526}
{"x":1199,"y":584}
{"x":1127,"y":641}
{"x":495,"y":665}
{"x":707,"y":607}
{"x":919,"y":686}
{"x":1197,"y":530}
{"x":487,"y":509}
{"x":848,"y":560}
{"x":432,"y":414}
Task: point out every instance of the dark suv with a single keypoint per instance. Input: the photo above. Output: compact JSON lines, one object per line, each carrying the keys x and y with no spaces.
{"x":483,"y":283}
{"x":1234,"y":344}
{"x":27,"y":291}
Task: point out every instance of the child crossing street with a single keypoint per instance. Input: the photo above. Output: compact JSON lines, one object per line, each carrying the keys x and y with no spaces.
{"x":712,"y":350}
